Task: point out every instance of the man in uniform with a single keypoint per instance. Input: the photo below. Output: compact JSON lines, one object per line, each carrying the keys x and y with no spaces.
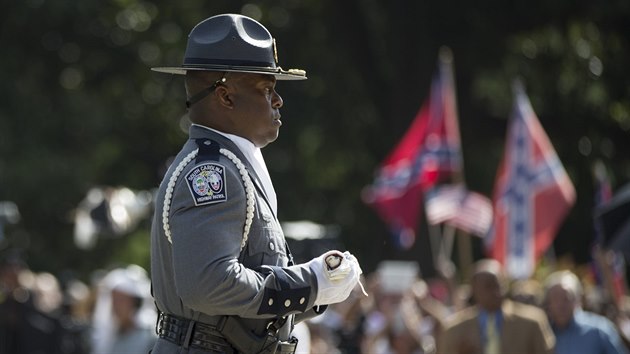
{"x":223,"y":277}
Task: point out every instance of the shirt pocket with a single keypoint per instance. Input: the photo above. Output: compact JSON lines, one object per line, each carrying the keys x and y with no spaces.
{"x":266,"y":240}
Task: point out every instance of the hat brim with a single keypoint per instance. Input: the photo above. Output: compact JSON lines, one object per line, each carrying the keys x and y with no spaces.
{"x":279,"y":73}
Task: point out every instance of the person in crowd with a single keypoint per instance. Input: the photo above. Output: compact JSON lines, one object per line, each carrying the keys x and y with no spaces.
{"x":527,"y":291}
{"x":222,"y":274}
{"x":576,"y":330}
{"x":28,"y":322}
{"x":495,"y":324}
{"x":431,"y":311}
{"x":124,"y":316}
{"x":399,"y":318}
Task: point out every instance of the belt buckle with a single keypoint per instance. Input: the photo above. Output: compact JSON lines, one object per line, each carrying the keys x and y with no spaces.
{"x":288,"y":347}
{"x":159,"y":324}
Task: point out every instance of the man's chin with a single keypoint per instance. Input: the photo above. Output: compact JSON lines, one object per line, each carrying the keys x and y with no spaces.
{"x":270,"y":139}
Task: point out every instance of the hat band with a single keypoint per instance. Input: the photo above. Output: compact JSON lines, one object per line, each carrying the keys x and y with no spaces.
{"x":228,"y":62}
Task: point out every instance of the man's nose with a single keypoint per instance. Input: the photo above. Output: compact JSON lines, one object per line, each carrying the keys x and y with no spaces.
{"x":277,"y":101}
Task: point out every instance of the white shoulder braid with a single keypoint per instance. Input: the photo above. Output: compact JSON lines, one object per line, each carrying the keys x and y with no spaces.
{"x":247,"y":182}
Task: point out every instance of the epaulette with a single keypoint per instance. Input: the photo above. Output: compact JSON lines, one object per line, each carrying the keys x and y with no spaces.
{"x":208,"y":150}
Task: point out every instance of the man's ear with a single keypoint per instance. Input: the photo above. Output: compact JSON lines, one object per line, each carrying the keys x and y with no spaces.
{"x":223,"y":96}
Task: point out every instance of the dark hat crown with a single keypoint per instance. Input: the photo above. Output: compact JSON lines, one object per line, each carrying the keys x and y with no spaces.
{"x":232,"y":40}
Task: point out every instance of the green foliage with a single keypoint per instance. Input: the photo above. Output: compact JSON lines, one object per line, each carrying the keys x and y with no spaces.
{"x":79,"y":107}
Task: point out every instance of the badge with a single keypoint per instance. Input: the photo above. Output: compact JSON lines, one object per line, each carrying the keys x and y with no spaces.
{"x":207,"y":184}
{"x":275,"y":51}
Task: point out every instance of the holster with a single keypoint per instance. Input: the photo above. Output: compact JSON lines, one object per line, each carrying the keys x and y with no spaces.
{"x":245,"y":341}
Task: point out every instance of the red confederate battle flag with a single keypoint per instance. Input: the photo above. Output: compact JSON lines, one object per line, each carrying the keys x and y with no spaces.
{"x":532,"y":194}
{"x":428,"y":152}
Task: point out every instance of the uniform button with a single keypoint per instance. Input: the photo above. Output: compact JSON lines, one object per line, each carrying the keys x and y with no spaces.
{"x":302,"y":299}
{"x":287,"y":303}
{"x":270,"y":302}
{"x":272,"y":246}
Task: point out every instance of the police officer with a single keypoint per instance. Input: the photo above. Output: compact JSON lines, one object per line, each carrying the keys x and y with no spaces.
{"x":223,"y":277}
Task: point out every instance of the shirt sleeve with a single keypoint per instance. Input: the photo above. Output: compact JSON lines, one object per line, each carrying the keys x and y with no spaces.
{"x":611,"y":341}
{"x":545,"y":339}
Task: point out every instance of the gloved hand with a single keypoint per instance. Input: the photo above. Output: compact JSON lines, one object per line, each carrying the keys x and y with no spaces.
{"x":337,"y":274}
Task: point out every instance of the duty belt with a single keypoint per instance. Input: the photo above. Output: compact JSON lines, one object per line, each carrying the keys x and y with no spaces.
{"x":185,"y":332}
{"x":228,"y":337}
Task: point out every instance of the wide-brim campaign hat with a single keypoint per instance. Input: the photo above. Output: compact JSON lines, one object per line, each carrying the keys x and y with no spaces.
{"x":234,"y":43}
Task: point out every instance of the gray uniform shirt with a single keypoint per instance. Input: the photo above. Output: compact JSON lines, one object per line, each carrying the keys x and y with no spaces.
{"x":204,"y":271}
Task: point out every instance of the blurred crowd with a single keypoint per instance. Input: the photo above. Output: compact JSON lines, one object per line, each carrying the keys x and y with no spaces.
{"x":41,"y":313}
{"x":566,"y":311}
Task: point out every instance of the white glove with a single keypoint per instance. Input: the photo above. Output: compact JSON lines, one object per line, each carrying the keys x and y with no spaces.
{"x":337,"y":274}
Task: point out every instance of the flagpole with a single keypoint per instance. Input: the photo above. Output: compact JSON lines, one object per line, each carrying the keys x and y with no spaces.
{"x":444,"y":237}
{"x":444,"y":264}
{"x":434,"y":241}
{"x":449,"y":237}
{"x":464,"y":246}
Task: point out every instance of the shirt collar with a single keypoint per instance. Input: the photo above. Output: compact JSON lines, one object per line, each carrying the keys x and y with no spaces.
{"x":243,"y":144}
{"x":573,"y":323}
{"x":483,"y":317}
{"x":254,"y":156}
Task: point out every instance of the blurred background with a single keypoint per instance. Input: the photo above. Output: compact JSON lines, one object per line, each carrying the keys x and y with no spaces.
{"x":87,"y":130}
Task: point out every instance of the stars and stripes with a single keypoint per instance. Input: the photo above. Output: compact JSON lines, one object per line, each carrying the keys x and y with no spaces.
{"x":454,"y":205}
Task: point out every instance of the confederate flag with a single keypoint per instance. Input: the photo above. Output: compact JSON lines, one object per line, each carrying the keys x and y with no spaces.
{"x":428,"y":152}
{"x":532,"y":194}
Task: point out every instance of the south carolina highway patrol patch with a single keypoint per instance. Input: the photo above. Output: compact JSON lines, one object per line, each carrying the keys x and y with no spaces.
{"x":207,"y":183}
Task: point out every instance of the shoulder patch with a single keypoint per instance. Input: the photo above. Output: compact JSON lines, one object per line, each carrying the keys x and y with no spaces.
{"x":206,"y":183}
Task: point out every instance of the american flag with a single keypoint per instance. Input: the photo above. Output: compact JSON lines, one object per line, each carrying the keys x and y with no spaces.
{"x":532,"y":194}
{"x":428,"y":153}
{"x":608,"y":266}
{"x":459,"y":207}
